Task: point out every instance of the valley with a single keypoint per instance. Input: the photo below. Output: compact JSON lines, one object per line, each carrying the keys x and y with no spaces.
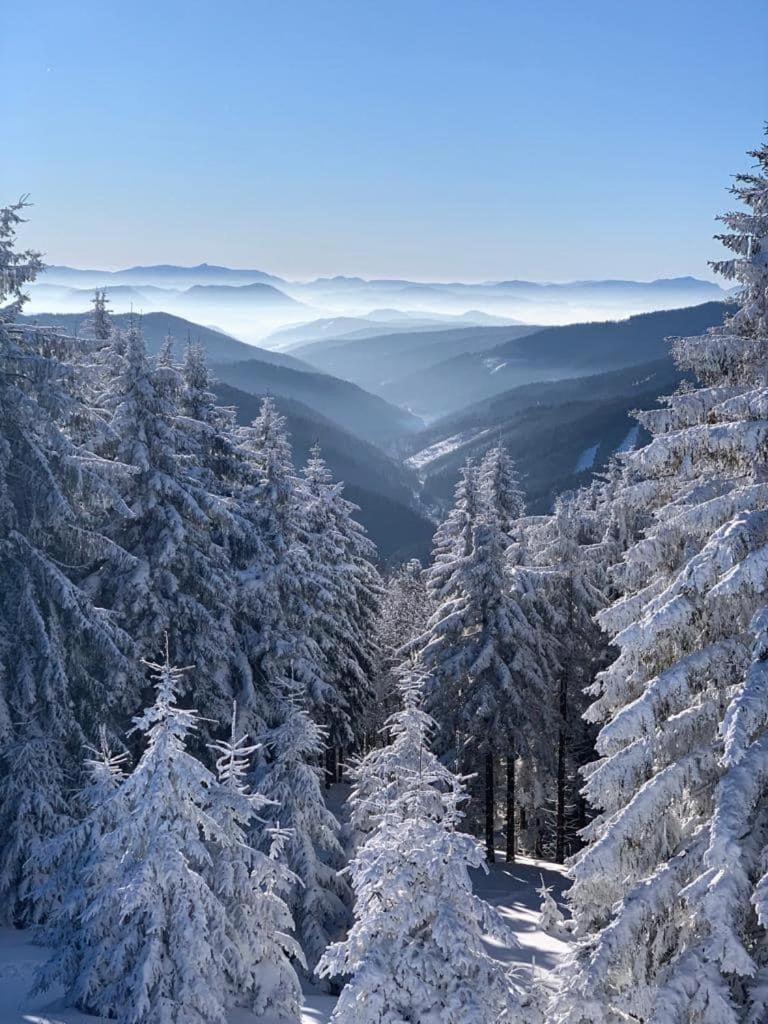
{"x":400,"y":399}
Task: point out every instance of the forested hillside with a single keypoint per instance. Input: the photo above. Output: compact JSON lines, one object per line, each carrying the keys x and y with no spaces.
{"x":386,"y":491}
{"x":156,"y":327}
{"x":560,"y":433}
{"x":576,"y":350}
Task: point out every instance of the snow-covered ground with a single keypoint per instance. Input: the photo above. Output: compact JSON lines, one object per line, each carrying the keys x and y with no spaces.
{"x":587,"y":459}
{"x":511,"y":887}
{"x":630,"y":441}
{"x":441,"y":448}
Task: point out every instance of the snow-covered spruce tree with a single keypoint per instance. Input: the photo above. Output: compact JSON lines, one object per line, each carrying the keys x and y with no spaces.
{"x":276,"y":604}
{"x":291,"y":781}
{"x":345,"y":589}
{"x":415,"y":952}
{"x":152,"y":942}
{"x":668,"y":896}
{"x":382,"y":781}
{"x":98,"y":324}
{"x":219,"y":460}
{"x":551,"y":918}
{"x":56,"y":648}
{"x":250,"y":882}
{"x":566,"y":558}
{"x":501,"y":484}
{"x":403,"y":614}
{"x":183,"y":583}
{"x":480,"y":654}
{"x":527,"y":768}
{"x":56,"y":869}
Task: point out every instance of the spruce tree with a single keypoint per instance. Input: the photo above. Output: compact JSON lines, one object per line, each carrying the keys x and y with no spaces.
{"x":383,"y":781}
{"x":676,"y":852}
{"x":501,"y":484}
{"x":345,"y":588}
{"x":421,"y":957}
{"x":404,"y":610}
{"x":566,"y":557}
{"x":274,"y":597}
{"x":485,"y":674}
{"x":251,"y":882}
{"x":151,"y":942}
{"x":276,"y":602}
{"x":183,"y":582}
{"x":291,"y":782}
{"x":56,"y":649}
{"x":58,"y":866}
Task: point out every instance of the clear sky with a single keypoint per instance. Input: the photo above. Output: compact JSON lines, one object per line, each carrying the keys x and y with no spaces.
{"x":430,"y":139}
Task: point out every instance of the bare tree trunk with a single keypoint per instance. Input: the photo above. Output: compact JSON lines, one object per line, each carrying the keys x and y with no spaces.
{"x":330,"y":766}
{"x":562,"y":737}
{"x":490,"y":810}
{"x":560,"y":813}
{"x":511,"y":838}
{"x":340,"y":766}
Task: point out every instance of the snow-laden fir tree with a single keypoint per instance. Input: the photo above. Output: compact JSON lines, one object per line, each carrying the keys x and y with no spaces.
{"x":527,"y":764}
{"x":100,"y":359}
{"x":668,"y":896}
{"x":403,"y":614}
{"x":382,"y":781}
{"x":480,"y":655}
{"x":275,"y":601}
{"x":345,"y":596}
{"x":453,"y":537}
{"x":60,"y":890}
{"x":565,"y":557}
{"x":499,"y":480}
{"x":98,"y":324}
{"x":291,"y":782}
{"x":56,"y":649}
{"x":276,"y":605}
{"x":415,"y":953}
{"x":152,"y":942}
{"x":218,"y":457}
{"x":183,"y":583}
{"x":551,"y":918}
{"x":250,"y":882}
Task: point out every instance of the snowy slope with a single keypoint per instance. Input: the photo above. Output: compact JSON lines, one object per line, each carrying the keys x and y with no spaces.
{"x":511,"y":887}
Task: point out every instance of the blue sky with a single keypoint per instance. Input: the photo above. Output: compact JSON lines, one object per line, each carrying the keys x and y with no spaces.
{"x":427,"y":139}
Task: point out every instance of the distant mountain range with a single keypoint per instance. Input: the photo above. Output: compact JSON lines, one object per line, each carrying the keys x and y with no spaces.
{"x":253,"y":304}
{"x":377,"y":322}
{"x":163,"y":275}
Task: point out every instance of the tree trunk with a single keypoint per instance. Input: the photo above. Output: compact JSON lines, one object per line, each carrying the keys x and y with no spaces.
{"x":511,"y":838}
{"x":330,"y":766}
{"x":560,"y":814}
{"x":490,"y":810}
{"x":562,"y":738}
{"x":339,"y":765}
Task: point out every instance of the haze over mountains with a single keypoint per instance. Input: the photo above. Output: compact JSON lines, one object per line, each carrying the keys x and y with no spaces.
{"x":253,"y":304}
{"x":401,"y":381}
